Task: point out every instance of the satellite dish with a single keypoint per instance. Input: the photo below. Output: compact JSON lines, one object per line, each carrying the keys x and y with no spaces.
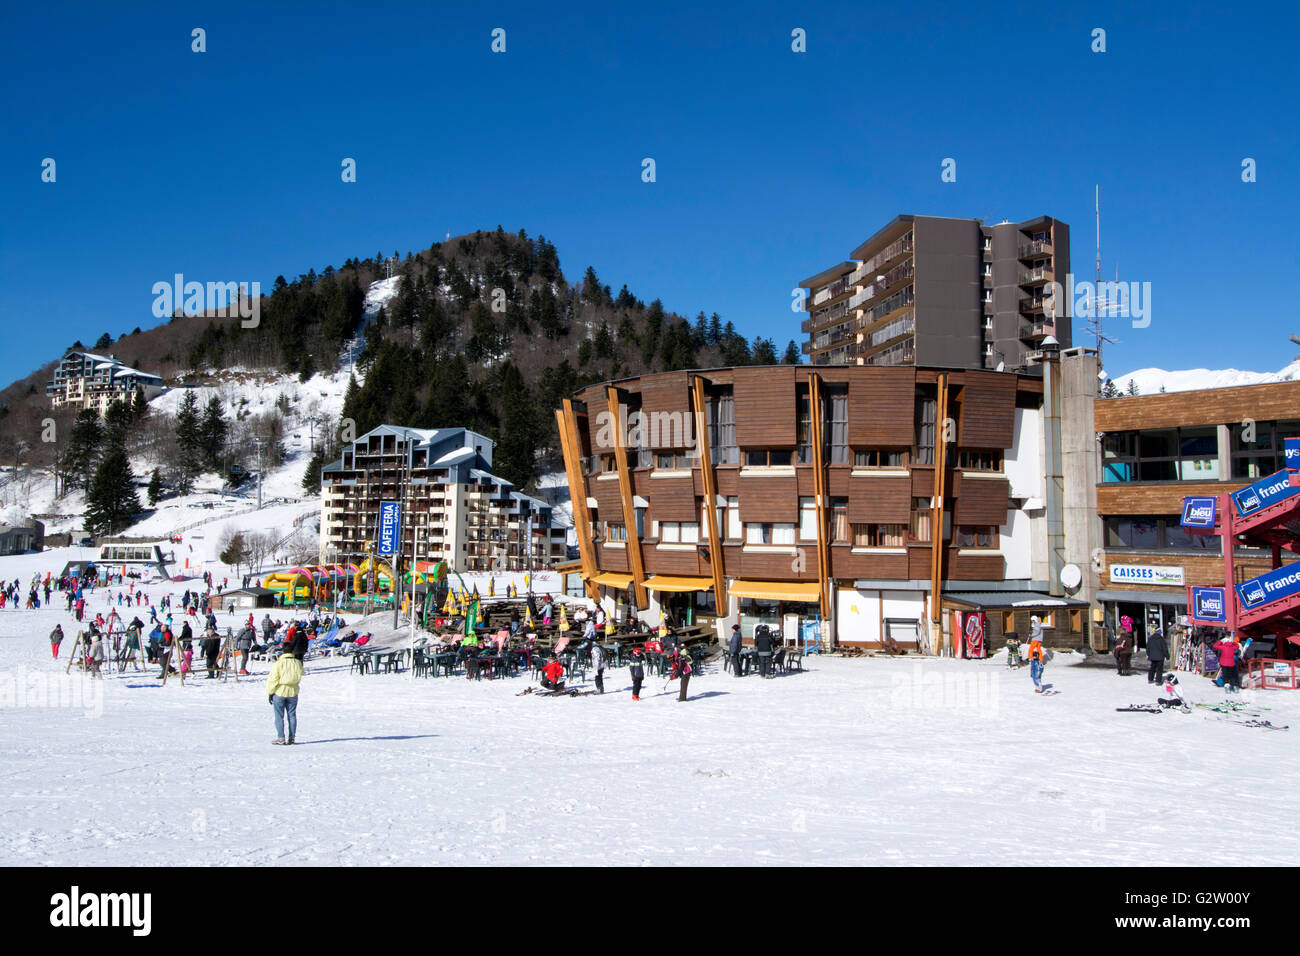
{"x":1002,"y":366}
{"x":1071,"y":576}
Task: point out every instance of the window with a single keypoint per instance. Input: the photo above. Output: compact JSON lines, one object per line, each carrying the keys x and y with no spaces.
{"x":767,"y":532}
{"x":880,"y":458}
{"x":807,"y":519}
{"x":1264,"y":455}
{"x":769,"y":458}
{"x":1156,"y":532}
{"x":879,"y":535}
{"x":734,"y":530}
{"x":674,"y":459}
{"x":805,"y":428}
{"x":990,"y":460}
{"x":926,"y":410}
{"x":601,"y":464}
{"x":837,"y":431}
{"x":976,"y":536}
{"x":1076,"y":621}
{"x":615,"y":531}
{"x":1047,"y":619}
{"x":722,"y":429}
{"x":919,"y":530}
{"x":679,"y":532}
{"x":838,"y":530}
{"x":1162,"y":454}
{"x":645,"y":458}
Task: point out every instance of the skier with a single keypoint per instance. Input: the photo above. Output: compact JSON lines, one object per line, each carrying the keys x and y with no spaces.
{"x":1176,"y":698}
{"x":1157,"y":651}
{"x":1123,"y":653}
{"x":636,"y":668}
{"x":681,"y":669}
{"x":1037,"y":658}
{"x":733,"y":650}
{"x":211,"y":647}
{"x":552,"y":674}
{"x":1227,"y":649}
{"x":244,"y":645}
{"x":763,"y":644}
{"x":96,"y":655}
{"x":598,"y":664}
{"x":282,"y":693}
{"x":56,"y":638}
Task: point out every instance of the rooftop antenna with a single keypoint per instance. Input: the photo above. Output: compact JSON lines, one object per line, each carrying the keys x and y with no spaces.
{"x":1094,"y":324}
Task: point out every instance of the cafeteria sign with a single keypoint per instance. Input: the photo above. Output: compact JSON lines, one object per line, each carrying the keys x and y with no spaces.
{"x":1208,"y":606}
{"x":1267,"y":588}
{"x":1145,"y":574}
{"x":1198,"y":511}
{"x":1267,"y":491}
{"x":390,"y":522}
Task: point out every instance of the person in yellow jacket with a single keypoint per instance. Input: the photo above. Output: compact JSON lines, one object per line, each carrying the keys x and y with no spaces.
{"x":282,"y":692}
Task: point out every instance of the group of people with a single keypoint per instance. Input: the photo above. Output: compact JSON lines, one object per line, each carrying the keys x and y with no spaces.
{"x":1227,"y":649}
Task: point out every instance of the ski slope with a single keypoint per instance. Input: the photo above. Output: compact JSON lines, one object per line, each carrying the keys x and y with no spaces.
{"x":901,"y":761}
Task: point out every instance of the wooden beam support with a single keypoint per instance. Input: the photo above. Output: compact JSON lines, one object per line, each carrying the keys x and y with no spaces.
{"x":819,"y":490}
{"x":633,"y":542}
{"x":571,"y":448}
{"x":936,"y":503}
{"x":721,"y":604}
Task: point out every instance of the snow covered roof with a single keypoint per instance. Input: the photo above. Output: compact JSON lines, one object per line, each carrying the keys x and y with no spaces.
{"x":453,"y":457}
{"x":1010,"y":599}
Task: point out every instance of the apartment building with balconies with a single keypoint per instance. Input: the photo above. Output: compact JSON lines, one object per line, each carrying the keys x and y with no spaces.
{"x":927,"y":290}
{"x":84,"y":380}
{"x":453,"y":507}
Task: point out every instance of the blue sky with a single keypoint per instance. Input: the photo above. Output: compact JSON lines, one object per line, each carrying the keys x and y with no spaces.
{"x":771,"y":165}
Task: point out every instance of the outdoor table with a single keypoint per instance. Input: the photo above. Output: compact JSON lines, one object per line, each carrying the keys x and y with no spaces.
{"x":613,"y":651}
{"x":443,"y":659}
{"x":748,"y":660}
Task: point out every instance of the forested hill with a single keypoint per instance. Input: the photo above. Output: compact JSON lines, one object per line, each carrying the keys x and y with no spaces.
{"x":482,"y":331}
{"x":485,"y":332}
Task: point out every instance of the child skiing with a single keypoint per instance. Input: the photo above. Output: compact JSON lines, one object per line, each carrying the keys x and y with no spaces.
{"x":681,"y":669}
{"x":1037,"y":657}
{"x":636,"y":668}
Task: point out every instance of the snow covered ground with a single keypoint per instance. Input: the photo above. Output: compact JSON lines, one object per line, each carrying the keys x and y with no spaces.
{"x":877,"y":761}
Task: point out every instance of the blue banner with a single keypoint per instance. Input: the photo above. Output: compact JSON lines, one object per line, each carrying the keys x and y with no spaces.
{"x":1208,"y":606}
{"x":1199,"y":511}
{"x":1293,"y":454}
{"x":1267,"y":491}
{"x":390,"y":526}
{"x":1274,"y":586}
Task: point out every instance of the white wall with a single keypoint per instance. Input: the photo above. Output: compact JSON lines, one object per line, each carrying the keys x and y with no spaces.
{"x":1024,"y":536}
{"x":857,"y":615}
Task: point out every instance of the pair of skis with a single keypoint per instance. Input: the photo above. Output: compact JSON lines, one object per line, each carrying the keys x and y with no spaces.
{"x":562,"y":692}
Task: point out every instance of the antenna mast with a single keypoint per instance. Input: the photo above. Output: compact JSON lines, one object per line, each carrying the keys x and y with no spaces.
{"x":1095,"y":323}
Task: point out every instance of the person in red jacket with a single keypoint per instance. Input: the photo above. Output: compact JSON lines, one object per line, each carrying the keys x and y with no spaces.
{"x":1227,"y":649}
{"x":552,"y":674}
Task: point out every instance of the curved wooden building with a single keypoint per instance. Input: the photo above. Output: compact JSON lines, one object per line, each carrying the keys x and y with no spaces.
{"x":827,"y":486}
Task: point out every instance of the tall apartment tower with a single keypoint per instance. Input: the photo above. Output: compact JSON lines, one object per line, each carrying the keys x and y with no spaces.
{"x":926,"y":290}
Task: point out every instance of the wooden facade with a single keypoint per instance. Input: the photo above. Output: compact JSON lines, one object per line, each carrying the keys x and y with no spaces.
{"x":882,"y":414}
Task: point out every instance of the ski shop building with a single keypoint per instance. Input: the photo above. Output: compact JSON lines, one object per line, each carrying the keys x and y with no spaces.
{"x":1155,"y":449}
{"x":848,"y":503}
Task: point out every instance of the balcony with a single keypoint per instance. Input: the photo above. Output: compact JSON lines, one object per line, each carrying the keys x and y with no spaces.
{"x":1036,"y":276}
{"x":1032,"y":305}
{"x":1035,"y":331}
{"x":1036,"y":249}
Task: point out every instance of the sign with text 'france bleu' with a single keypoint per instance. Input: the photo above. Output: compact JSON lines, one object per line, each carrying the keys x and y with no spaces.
{"x":1274,"y":586}
{"x":1267,"y":491}
{"x":1208,"y":606}
{"x":1199,"y":511}
{"x":390,"y":523}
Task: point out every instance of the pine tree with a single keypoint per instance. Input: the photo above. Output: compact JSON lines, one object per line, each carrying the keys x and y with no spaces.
{"x":212,"y":432}
{"x":111,"y":501}
{"x":311,"y":479}
{"x":764,"y":352}
{"x":519,"y":436}
{"x":189,"y":441}
{"x":84,"y":445}
{"x":139,"y":407}
{"x":1133,"y":387}
{"x":155,"y":488}
{"x":791,"y":356}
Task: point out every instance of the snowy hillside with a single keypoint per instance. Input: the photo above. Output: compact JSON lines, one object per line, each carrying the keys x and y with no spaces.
{"x":1150,"y":380}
